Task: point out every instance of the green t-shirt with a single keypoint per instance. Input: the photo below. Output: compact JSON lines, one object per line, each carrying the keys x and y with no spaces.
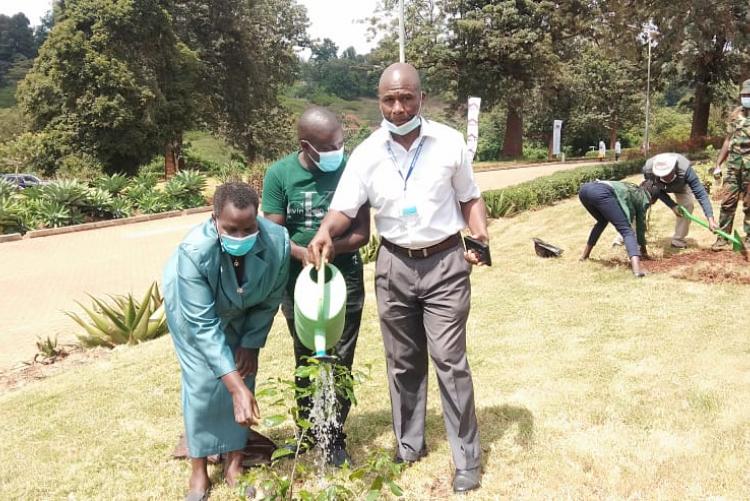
{"x":303,"y":198}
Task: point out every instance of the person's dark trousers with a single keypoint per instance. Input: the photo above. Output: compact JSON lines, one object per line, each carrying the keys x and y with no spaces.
{"x":344,"y":350}
{"x":601,"y":202}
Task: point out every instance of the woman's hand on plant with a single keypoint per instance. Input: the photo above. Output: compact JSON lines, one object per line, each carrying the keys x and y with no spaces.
{"x":246,"y":411}
{"x":247,"y":361}
{"x":245,"y":406}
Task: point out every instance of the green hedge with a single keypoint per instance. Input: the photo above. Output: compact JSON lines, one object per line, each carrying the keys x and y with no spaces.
{"x":547,"y":190}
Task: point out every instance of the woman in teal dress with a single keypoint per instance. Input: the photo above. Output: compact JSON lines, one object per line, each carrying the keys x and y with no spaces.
{"x":222,"y":288}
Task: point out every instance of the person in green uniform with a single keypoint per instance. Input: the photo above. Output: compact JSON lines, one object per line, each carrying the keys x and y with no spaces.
{"x":620,"y":204}
{"x":222,"y":289}
{"x":296,"y":193}
{"x":736,"y":149}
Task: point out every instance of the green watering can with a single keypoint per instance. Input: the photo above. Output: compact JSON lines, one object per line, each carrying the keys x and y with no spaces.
{"x":319,"y":308}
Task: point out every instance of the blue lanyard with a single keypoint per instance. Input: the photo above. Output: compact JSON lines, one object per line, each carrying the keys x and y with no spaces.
{"x":413,"y":161}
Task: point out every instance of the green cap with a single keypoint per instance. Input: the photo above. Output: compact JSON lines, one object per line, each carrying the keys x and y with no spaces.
{"x":745,"y":87}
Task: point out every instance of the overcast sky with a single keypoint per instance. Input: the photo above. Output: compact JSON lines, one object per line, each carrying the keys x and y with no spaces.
{"x":334,"y":19}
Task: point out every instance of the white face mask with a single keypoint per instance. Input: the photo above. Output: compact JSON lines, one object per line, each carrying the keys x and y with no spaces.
{"x":745,"y":100}
{"x":405,"y":128}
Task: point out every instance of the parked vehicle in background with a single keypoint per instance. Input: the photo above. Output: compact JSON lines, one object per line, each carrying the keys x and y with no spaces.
{"x":24,"y":180}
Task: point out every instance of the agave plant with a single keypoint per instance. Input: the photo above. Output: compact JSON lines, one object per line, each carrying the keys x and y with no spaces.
{"x":185,"y":189}
{"x":11,"y":217}
{"x":66,"y":192}
{"x":114,"y":184}
{"x":99,"y":203}
{"x":7,"y":189}
{"x":151,"y":202}
{"x":124,"y":320}
{"x":52,"y":214}
{"x":145,"y":180}
{"x":120,"y":208}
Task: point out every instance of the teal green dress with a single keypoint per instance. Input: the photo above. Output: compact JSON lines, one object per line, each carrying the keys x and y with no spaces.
{"x":210,"y":315}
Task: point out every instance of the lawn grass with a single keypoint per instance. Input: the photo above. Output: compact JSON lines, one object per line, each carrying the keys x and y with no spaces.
{"x":209,"y":147}
{"x":589,"y":384}
{"x":8,"y":96}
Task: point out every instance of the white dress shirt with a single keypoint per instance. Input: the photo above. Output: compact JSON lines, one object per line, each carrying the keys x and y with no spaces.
{"x":411,"y":210}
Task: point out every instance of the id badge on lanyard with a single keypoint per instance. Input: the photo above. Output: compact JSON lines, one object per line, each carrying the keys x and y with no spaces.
{"x":408,"y":205}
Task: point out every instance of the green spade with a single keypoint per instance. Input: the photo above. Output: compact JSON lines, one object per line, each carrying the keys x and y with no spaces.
{"x":735,"y":238}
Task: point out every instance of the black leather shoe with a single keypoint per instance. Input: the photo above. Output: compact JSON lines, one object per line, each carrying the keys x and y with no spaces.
{"x":466,"y":480}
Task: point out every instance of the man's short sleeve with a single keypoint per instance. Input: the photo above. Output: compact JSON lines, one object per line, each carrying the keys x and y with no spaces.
{"x":274,"y":200}
{"x":351,"y":193}
{"x":463,"y":179}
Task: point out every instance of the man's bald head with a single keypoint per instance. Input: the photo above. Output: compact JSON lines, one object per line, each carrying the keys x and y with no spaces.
{"x":318,"y":131}
{"x":400,"y":75}
{"x":317,"y":125}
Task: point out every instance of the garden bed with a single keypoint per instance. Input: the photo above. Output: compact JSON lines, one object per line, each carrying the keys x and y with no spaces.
{"x":701,"y":265}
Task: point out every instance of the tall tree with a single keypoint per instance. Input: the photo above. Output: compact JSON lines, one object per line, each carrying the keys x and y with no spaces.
{"x":709,"y":45}
{"x":111,"y":81}
{"x":247,"y":51}
{"x":501,"y":50}
{"x":324,"y":51}
{"x":16,"y":42}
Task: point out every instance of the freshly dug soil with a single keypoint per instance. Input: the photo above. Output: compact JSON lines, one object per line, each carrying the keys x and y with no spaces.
{"x":703,"y":266}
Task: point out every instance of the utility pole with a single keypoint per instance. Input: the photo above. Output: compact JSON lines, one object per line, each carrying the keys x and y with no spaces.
{"x":401,"y":33}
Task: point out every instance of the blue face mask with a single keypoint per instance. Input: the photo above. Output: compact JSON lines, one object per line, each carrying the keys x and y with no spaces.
{"x":238,"y":246}
{"x":405,"y":128}
{"x":329,"y":160}
{"x":745,"y":102}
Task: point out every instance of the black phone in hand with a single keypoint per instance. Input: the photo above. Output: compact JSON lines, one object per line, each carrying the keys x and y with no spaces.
{"x":481,"y":249}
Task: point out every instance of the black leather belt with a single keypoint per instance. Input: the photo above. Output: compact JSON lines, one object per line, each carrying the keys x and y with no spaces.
{"x":448,"y":243}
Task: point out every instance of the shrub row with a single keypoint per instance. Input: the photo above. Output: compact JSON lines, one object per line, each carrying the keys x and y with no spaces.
{"x":547,"y":190}
{"x":68,"y":202}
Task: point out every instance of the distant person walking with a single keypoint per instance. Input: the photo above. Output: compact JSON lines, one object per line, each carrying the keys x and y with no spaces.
{"x":618,"y":150}
{"x":602,"y":151}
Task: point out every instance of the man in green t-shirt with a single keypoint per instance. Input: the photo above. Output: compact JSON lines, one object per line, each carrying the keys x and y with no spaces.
{"x":296,"y":193}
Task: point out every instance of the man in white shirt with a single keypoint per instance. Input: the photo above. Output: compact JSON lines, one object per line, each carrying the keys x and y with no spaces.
{"x":417,"y":176}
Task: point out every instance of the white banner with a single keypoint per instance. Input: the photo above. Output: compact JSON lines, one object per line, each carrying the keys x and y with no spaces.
{"x":556,"y":133}
{"x":472,"y":129}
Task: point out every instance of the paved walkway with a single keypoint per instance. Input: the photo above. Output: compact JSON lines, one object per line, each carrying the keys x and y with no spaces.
{"x":496,"y":179}
{"x":43,"y":277}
